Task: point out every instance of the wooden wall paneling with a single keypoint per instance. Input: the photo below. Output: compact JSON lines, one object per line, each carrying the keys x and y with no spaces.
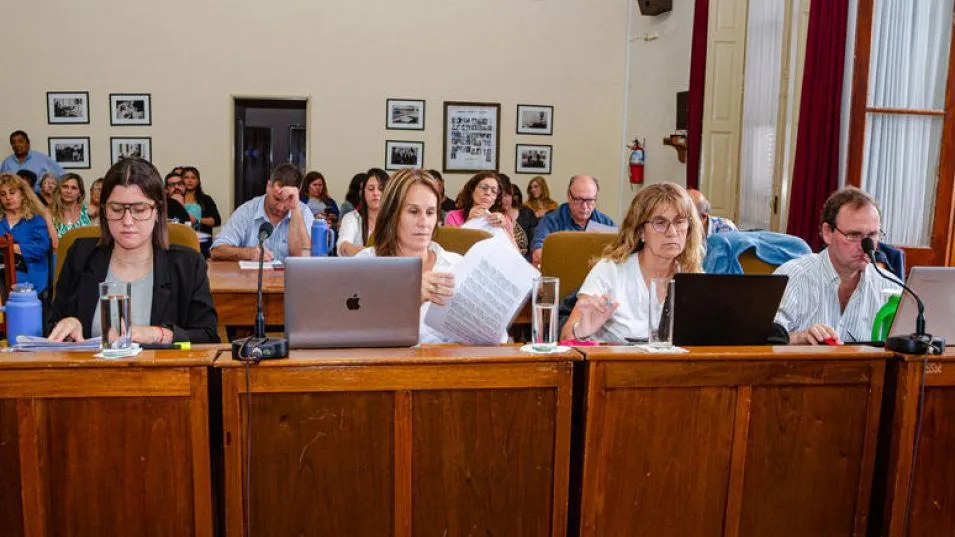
{"x":416,"y":449}
{"x":933,"y":489}
{"x":11,"y":507}
{"x":730,"y":448}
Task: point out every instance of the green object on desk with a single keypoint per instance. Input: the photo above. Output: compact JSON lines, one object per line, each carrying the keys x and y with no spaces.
{"x":883,"y":319}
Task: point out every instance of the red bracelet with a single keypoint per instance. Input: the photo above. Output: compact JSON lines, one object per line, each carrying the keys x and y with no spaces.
{"x":161,"y":335}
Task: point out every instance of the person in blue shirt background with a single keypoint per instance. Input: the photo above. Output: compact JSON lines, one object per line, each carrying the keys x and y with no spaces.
{"x":24,"y":158}
{"x":574,"y":215}
{"x":22,"y":216}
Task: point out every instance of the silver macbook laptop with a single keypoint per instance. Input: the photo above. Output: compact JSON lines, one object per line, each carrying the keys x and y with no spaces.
{"x":352,"y":302}
{"x":936,"y":287}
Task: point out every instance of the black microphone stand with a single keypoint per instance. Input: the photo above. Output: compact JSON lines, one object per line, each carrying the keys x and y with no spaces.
{"x":917,"y":343}
{"x":259,"y":316}
{"x":257,"y":346}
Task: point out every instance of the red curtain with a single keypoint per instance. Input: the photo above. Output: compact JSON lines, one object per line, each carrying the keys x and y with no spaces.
{"x":695,"y":99}
{"x":816,"y":171}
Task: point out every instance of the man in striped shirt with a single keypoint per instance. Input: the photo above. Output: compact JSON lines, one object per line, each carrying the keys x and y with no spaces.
{"x":833,"y":296}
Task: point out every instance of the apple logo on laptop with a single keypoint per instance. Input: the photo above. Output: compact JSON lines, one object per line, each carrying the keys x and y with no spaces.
{"x":352,"y":303}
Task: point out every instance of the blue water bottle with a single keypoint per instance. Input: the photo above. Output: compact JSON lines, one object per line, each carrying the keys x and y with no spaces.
{"x":24,"y":313}
{"x":323,"y":238}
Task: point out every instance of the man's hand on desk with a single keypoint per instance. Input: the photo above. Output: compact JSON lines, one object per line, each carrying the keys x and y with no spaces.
{"x":816,"y":334}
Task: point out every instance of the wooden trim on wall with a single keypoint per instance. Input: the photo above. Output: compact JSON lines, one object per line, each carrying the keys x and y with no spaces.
{"x":860,"y":91}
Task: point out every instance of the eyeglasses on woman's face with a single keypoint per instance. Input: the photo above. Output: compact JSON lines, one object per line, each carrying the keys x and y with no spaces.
{"x":139,"y":211}
{"x":661,"y":224}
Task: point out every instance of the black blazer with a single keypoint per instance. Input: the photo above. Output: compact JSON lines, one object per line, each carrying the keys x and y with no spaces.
{"x":182,"y":301}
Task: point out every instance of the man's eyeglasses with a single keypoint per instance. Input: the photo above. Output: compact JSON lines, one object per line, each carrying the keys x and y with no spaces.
{"x":139,"y":211}
{"x":583,"y":201}
{"x":489,"y":189}
{"x":661,"y":225}
{"x":174,"y":184}
{"x":857,"y":236}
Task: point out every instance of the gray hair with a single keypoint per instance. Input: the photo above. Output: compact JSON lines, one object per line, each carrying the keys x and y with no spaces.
{"x":574,"y":178}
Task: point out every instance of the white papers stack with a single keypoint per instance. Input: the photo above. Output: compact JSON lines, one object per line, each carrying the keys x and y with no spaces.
{"x":34,"y":343}
{"x":483,"y":224}
{"x":254,"y":265}
{"x":490,"y":284}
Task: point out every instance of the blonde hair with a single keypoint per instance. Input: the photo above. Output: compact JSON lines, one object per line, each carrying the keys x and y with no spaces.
{"x":647,"y":200}
{"x":385,"y":233}
{"x":56,"y":208}
{"x":542,"y":202}
{"x":30,"y":205}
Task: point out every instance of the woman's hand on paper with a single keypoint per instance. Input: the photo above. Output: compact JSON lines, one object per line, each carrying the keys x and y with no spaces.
{"x":437,"y":287}
{"x":68,"y":328}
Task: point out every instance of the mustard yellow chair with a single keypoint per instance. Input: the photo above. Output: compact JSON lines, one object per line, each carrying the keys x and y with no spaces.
{"x":459,"y":240}
{"x":180,"y":234}
{"x":569,"y":255}
{"x":754,"y":265}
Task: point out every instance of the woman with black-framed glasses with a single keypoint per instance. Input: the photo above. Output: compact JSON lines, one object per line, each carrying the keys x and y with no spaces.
{"x":170,"y":297}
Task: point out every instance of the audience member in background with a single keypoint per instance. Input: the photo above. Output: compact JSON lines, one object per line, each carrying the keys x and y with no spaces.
{"x":281,"y":205}
{"x":47,"y":187}
{"x":711,"y":224}
{"x":170,"y":298}
{"x":447,"y":204}
{"x":836,"y":293}
{"x":92,"y":208}
{"x":29,"y":177}
{"x":409,"y":214}
{"x":353,"y":196}
{"x":357,"y":225}
{"x":482,"y":197}
{"x":316,"y":196}
{"x":68,"y":209}
{"x":507,"y":203}
{"x":575,"y":215}
{"x":23,"y":218}
{"x":661,"y":235}
{"x":25,"y":159}
{"x":199,"y":204}
{"x":175,"y":189}
{"x":519,"y":213}
{"x":538,"y":197}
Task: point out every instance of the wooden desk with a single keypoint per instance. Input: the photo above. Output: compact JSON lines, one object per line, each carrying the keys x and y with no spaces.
{"x":437,"y":441}
{"x":750,"y":441}
{"x":90,"y":447}
{"x":234,"y":294}
{"x":933,"y":491}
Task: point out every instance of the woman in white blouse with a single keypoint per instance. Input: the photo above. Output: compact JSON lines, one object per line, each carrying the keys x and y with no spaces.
{"x":660,"y":236}
{"x":357,"y":225}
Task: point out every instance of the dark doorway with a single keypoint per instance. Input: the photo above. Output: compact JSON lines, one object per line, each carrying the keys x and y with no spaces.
{"x":268,"y":132}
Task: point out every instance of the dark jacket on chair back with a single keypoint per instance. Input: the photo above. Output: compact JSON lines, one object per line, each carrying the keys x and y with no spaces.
{"x":182,"y":301}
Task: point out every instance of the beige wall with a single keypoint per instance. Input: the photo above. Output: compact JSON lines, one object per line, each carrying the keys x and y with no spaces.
{"x":345,"y":56}
{"x":659,"y":68}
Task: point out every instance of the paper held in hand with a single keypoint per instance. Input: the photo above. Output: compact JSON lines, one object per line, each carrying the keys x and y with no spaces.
{"x":483,"y":224}
{"x":490,"y":286}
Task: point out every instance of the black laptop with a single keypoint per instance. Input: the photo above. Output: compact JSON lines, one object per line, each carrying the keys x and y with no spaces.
{"x":726,"y":309}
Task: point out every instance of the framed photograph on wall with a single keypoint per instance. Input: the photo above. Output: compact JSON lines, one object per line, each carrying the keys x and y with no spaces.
{"x":471,"y":136}
{"x":404,"y":114}
{"x":534,"y":159}
{"x":400,"y":154}
{"x":67,"y":107}
{"x":535,"y":119}
{"x":130,"y":109}
{"x":121,"y":147}
{"x":71,"y":153}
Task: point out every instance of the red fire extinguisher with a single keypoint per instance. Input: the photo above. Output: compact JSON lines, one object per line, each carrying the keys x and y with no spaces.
{"x":638,"y":158}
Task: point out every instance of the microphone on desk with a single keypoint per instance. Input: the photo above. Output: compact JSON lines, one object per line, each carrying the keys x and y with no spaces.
{"x":258,"y":346}
{"x":917,"y":343}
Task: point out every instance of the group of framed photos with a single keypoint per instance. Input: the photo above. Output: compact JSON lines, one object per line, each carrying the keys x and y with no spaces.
{"x":471,"y":136}
{"x":73,"y":108}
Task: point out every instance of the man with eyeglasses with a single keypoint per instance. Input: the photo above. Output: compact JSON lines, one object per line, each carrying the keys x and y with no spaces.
{"x":281,"y":205}
{"x":175,"y":192}
{"x":576,"y":214}
{"x":833,"y":296}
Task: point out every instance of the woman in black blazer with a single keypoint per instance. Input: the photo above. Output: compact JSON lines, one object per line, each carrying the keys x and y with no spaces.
{"x":135,"y":248}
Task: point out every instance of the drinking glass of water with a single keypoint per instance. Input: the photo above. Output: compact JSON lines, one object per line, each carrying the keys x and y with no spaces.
{"x":545,"y":296}
{"x":661,"y":312}
{"x":115,"y":314}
